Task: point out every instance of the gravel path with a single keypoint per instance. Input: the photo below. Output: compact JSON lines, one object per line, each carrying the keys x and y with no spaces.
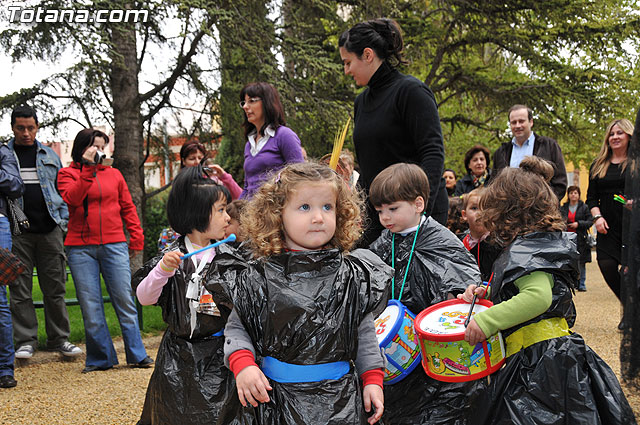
{"x":53,"y":391}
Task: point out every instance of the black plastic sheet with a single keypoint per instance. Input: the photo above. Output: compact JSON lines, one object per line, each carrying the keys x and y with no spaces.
{"x":305,"y":308}
{"x":630,"y":291}
{"x":190,"y":384}
{"x":555,"y":381}
{"x":441,"y":265}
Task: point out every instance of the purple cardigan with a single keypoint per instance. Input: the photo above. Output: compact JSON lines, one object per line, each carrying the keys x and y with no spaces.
{"x":281,"y":149}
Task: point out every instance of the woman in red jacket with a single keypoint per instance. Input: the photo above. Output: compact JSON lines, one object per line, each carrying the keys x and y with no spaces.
{"x":99,"y":202}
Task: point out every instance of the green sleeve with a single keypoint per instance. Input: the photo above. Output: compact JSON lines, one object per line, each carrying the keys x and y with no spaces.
{"x":533,"y":299}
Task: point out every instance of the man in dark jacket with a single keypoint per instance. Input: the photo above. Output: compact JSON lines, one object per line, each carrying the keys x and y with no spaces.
{"x":527,"y":143}
{"x":10,"y":187}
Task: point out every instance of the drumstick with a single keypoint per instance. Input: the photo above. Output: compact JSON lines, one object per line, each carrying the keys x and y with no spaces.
{"x":473,"y":303}
{"x":230,"y":238}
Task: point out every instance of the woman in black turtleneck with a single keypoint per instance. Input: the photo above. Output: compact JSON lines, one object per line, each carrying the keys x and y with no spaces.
{"x":396,"y":117}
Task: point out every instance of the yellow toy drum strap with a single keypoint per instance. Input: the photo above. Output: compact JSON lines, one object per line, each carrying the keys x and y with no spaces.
{"x":535,"y":332}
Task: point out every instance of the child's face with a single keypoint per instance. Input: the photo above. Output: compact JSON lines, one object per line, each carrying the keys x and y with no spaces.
{"x":309,"y":216}
{"x":233,"y":227}
{"x":471,"y":215}
{"x":219,"y":220}
{"x":574,"y":196}
{"x":400,"y":215}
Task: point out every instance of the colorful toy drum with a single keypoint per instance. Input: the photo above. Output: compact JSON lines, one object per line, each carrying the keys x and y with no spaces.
{"x":446,"y":356}
{"x":396,"y":336}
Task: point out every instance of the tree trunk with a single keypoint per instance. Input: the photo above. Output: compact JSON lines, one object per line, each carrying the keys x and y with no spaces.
{"x":126,"y":113}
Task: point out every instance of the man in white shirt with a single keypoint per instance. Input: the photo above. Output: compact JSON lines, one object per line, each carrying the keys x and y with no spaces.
{"x":526,"y":143}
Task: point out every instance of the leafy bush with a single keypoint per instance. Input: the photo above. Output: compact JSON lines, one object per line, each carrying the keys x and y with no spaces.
{"x":155,"y":219}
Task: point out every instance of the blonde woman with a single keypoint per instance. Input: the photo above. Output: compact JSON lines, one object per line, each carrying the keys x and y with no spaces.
{"x":606,"y":179}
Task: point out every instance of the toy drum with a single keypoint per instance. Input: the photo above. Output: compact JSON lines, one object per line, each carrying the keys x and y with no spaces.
{"x":396,"y":337}
{"x":446,"y":356}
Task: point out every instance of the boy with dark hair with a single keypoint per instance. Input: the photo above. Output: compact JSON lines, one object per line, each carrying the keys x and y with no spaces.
{"x":431,"y":265}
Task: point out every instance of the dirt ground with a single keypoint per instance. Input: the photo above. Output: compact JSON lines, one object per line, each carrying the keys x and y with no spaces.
{"x":53,"y":391}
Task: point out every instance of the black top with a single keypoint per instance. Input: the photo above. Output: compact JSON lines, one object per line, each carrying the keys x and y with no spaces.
{"x":396,"y":120}
{"x":549,"y":252}
{"x":440,"y":265}
{"x":585,"y":221}
{"x":600,"y":194}
{"x":35,"y":207}
{"x":484,"y":253}
{"x":465,"y":184}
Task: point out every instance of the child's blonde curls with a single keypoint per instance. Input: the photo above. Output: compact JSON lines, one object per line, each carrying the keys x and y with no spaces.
{"x":261,"y":219}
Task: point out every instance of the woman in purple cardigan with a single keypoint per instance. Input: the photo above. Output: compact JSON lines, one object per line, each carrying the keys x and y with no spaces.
{"x":270,"y":144}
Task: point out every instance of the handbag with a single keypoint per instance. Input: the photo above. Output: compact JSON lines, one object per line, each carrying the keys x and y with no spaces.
{"x":10,"y":267}
{"x":17,"y":218}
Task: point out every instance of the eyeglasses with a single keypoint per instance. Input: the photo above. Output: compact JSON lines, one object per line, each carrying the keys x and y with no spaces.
{"x":251,"y":101}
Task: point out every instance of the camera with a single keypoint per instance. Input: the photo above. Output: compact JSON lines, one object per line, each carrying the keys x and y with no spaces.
{"x":99,"y":157}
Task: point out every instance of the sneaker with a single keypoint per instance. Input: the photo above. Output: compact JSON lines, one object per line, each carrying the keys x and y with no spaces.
{"x":582,"y":289}
{"x":144,"y":363}
{"x":25,"y":352}
{"x":69,"y":350}
{"x":7,"y":381}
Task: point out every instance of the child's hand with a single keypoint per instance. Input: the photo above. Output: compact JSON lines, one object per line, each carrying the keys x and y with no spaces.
{"x":474,"y":334}
{"x":252,"y":386}
{"x":172,"y":259}
{"x":470,"y":291}
{"x":373,"y":395}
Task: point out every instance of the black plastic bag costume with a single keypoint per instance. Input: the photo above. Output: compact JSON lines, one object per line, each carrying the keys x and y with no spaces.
{"x":440,"y":265}
{"x":305,"y":308}
{"x":190,"y":383}
{"x":558,"y":380}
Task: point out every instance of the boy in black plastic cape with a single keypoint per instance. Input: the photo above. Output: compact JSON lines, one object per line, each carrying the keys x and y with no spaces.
{"x":190,"y":384}
{"x":304,"y":308}
{"x":550,"y":375}
{"x":431,"y":266}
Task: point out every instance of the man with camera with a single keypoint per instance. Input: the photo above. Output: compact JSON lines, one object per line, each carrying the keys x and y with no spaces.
{"x":41,"y":244}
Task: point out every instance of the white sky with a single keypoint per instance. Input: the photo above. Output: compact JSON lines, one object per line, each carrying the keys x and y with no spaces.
{"x":16,"y":76}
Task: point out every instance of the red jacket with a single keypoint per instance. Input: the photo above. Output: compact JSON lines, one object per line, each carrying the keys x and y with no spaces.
{"x":109,"y":205}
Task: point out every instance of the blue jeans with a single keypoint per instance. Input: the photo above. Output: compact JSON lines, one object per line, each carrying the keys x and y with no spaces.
{"x":583,"y":276}
{"x":112,"y":260}
{"x":6,"y":328}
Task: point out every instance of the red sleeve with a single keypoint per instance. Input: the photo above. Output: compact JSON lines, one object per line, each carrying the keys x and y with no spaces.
{"x":241,"y":359}
{"x":373,"y":377}
{"x":73,"y":184}
{"x":129,"y":215}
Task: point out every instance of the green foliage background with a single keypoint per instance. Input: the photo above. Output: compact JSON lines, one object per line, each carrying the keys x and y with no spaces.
{"x":574,"y":62}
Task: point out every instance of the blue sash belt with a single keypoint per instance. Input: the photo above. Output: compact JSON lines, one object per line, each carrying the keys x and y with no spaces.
{"x":219,"y":333}
{"x":292,"y":373}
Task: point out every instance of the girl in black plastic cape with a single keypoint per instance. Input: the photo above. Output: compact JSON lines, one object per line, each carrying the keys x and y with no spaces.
{"x":190,"y":384}
{"x":304,"y":308}
{"x":550,"y":375}
{"x":439,"y":267}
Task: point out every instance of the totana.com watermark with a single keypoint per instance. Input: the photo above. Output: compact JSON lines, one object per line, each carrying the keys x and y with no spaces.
{"x":39,"y":15}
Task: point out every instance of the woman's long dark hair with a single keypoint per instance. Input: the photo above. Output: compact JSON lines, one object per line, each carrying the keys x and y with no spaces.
{"x":271,"y":106}
{"x":83,"y":140}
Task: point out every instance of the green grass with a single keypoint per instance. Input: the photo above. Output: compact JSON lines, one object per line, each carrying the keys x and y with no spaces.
{"x":152,"y":316}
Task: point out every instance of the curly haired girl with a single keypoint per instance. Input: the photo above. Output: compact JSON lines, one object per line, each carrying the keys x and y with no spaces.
{"x":304,"y":306}
{"x":549,"y":370}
